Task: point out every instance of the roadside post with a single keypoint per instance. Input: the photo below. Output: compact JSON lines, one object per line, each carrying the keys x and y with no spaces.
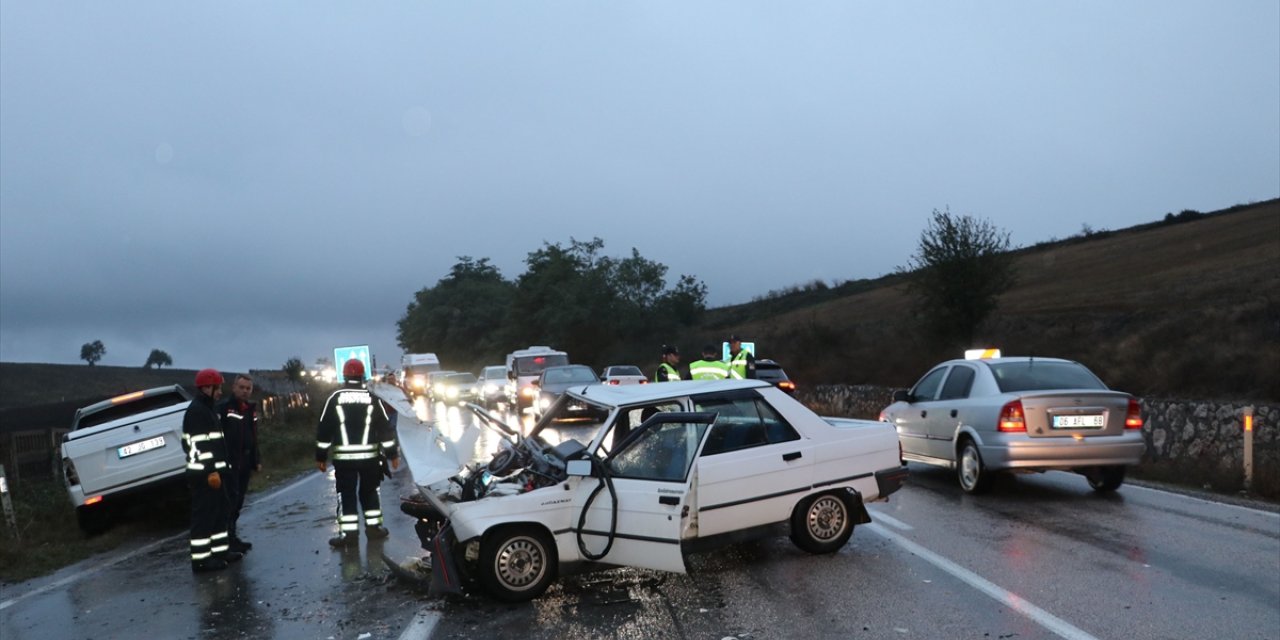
{"x":8,"y":505}
{"x":1248,"y":448}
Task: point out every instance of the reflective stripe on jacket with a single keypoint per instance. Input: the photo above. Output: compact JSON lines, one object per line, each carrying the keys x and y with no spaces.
{"x":355,"y":426}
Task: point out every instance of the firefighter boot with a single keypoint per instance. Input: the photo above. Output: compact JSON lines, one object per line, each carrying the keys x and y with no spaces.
{"x":208,"y":564}
{"x":376,"y":532}
{"x":344,"y":540}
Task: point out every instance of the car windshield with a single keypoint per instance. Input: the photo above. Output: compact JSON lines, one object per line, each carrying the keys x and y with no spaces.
{"x":533,"y":365}
{"x":625,"y":371}
{"x":495,"y":372}
{"x":117,"y":411}
{"x":462,"y":378}
{"x":1039,"y":375}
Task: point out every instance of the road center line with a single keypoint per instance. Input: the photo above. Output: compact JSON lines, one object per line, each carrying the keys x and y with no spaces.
{"x":1003,"y":596}
{"x":137,"y":552}
{"x":420,"y":628}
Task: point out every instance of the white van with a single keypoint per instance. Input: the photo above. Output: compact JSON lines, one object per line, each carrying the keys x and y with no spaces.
{"x":523,"y":367}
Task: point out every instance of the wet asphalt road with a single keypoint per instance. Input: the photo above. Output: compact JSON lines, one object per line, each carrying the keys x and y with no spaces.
{"x":1040,"y":557}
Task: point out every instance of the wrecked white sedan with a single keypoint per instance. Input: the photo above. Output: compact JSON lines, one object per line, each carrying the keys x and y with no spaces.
{"x":640,"y":475}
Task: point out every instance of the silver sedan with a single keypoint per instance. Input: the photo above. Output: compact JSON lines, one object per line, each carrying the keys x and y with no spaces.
{"x":984,"y":416}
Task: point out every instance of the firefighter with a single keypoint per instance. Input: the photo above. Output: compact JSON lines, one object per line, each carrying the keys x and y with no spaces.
{"x":709,"y":367}
{"x":239,"y":418}
{"x":742,"y":364}
{"x":669,"y":370}
{"x":207,"y":476}
{"x":355,"y":426}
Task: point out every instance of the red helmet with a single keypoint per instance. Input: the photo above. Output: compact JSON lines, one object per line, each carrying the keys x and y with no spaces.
{"x":353,"y":369}
{"x":208,"y":378}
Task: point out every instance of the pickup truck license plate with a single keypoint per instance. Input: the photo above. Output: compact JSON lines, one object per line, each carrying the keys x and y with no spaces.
{"x":139,"y":447}
{"x":1092,"y":421}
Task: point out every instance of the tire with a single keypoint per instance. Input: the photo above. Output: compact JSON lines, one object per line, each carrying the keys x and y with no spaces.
{"x":517,"y":564}
{"x":822,"y":523}
{"x":93,"y":520}
{"x":1105,"y":479}
{"x":973,"y":476}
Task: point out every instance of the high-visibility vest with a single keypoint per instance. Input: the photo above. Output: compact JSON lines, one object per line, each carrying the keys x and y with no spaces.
{"x":708,"y":370}
{"x":738,"y":365}
{"x":673,"y":374}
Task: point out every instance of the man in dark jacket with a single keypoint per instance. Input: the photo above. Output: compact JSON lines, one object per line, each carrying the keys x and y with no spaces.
{"x":206,"y":450}
{"x":239,"y":417}
{"x":355,"y":426}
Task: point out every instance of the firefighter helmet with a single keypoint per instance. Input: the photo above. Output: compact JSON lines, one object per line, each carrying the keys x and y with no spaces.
{"x":353,"y":369}
{"x":208,"y":378}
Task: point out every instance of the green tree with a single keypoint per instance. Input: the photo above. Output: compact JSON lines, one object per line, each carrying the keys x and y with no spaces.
{"x":92,"y":352}
{"x":460,"y":318}
{"x":293,"y":369}
{"x":158,"y":358}
{"x":957,"y":274}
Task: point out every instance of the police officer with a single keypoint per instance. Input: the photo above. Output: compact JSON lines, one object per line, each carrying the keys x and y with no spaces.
{"x":355,"y":426}
{"x":709,"y":367}
{"x":742,"y":364}
{"x":203,"y":442}
{"x":239,"y":418}
{"x":669,"y":370}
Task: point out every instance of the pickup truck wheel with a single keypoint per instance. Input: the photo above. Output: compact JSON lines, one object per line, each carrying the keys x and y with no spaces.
{"x":822,"y":523}
{"x":974,"y":477}
{"x":1105,"y":479}
{"x":93,"y":520}
{"x":517,"y":563}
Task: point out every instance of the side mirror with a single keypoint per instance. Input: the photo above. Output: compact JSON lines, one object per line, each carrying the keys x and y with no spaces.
{"x":579,"y":468}
{"x":902,"y":395}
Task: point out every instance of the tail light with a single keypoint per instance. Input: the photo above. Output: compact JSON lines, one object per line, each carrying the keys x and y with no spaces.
{"x":881,"y":419}
{"x":615,"y":382}
{"x":787,"y":385}
{"x":644,"y":382}
{"x":1012,"y":419}
{"x":92,"y":500}
{"x":1133,"y":418}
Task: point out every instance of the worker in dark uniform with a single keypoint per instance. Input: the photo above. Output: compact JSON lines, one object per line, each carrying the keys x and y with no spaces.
{"x":355,"y":427}
{"x":206,"y":450}
{"x":742,"y":363}
{"x":669,"y":370}
{"x":239,"y":417}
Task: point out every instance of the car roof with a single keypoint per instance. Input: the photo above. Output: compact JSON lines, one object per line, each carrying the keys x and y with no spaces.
{"x":1009,"y":360}
{"x":640,"y":393}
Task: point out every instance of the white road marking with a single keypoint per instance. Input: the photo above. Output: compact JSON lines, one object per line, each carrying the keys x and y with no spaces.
{"x":420,"y":628}
{"x":137,"y":552}
{"x":893,"y":522}
{"x":999,"y":594}
{"x":1260,"y":512}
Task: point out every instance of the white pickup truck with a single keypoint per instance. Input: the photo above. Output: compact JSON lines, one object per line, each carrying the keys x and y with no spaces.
{"x":123,"y":446}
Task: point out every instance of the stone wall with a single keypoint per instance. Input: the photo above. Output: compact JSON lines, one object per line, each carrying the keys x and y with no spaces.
{"x":1197,"y":442}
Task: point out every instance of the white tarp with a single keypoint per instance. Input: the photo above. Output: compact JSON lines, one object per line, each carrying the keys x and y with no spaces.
{"x":430,"y":455}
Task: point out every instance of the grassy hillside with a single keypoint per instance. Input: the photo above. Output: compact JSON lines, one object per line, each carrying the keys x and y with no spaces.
{"x":1190,"y":309}
{"x":26,"y":384}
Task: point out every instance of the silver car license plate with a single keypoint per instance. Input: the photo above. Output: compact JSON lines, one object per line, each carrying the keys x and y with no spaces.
{"x":138,"y":447}
{"x":1090,"y":421}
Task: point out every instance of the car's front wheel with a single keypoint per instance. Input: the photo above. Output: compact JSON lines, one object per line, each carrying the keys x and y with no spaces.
{"x":517,"y":563}
{"x":973,"y":476}
{"x":822,"y":523}
{"x":1105,"y":479}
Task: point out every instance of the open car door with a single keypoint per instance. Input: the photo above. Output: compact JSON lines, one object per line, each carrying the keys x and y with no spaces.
{"x":641,"y":520}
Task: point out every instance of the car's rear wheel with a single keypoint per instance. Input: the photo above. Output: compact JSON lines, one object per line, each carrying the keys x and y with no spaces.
{"x":974,"y":477}
{"x":517,"y":563}
{"x":821,"y":523}
{"x":1105,"y":479}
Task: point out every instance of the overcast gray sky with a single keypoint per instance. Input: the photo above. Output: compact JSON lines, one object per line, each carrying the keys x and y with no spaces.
{"x":240,"y":182}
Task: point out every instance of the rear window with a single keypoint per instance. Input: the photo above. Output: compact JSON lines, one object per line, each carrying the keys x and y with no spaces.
{"x":464,"y":378}
{"x":625,"y":371}
{"x":141,"y":405}
{"x":770,"y":373}
{"x":533,"y":365}
{"x":571,"y":374}
{"x":1037,"y":376}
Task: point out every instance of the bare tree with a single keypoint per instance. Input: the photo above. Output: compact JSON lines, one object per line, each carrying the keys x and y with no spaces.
{"x":958,"y":272}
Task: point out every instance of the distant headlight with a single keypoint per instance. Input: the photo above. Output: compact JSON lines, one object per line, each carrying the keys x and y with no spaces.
{"x":451,"y":392}
{"x":528,"y":392}
{"x":490,"y":389}
{"x":544,"y":402}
